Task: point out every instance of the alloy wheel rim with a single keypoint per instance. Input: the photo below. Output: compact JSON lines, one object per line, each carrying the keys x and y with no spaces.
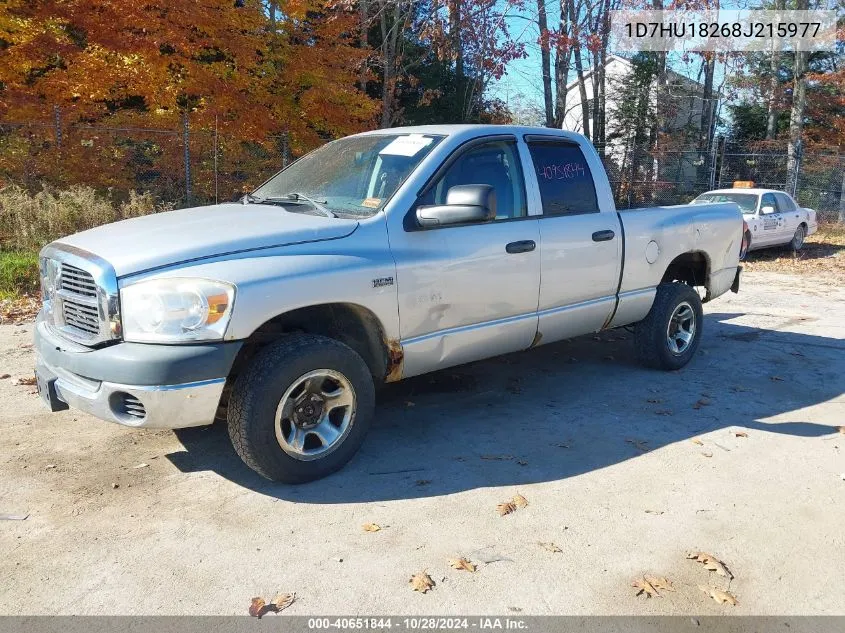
{"x":681,"y":329}
{"x":315,"y":414}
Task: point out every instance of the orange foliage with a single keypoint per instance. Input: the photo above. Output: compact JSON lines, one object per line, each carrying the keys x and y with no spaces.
{"x":145,"y":64}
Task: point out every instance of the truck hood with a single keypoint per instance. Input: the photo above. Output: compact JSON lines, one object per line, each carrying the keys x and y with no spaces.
{"x":163,"y":239}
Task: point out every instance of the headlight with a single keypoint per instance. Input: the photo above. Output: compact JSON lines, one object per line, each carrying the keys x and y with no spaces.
{"x":176,"y":310}
{"x":49,"y":272}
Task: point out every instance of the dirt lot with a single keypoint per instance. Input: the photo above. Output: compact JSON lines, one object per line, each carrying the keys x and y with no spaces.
{"x":624,"y":469}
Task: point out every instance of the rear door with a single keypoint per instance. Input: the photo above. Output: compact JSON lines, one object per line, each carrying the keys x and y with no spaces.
{"x":581,"y":244}
{"x":791,"y":217}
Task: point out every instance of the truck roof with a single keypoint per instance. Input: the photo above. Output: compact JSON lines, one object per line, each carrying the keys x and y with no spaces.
{"x":470,"y":130}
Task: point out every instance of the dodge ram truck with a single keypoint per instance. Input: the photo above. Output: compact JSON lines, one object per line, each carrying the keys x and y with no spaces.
{"x":377,"y":257}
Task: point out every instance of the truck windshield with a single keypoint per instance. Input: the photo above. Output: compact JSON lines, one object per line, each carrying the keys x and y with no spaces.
{"x":747,"y":201}
{"x":353,"y":176}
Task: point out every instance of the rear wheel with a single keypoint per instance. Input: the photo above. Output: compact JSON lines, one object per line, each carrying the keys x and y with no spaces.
{"x":301,"y":408}
{"x":798,"y":239}
{"x":670,"y":334}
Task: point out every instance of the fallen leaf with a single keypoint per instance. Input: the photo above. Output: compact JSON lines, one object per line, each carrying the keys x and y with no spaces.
{"x":521,"y":462}
{"x":282,"y":601}
{"x":4,"y":376}
{"x":23,"y":380}
{"x":423,"y":482}
{"x":643,"y":586}
{"x":506,"y":508}
{"x":707,"y":454}
{"x":654,"y":511}
{"x":695,"y":440}
{"x":497,"y":458}
{"x":660,"y":583}
{"x":711,"y":563}
{"x":256,"y":607}
{"x":663,"y":412}
{"x":421,"y":582}
{"x":775,"y":378}
{"x":551,"y":547}
{"x":703,"y":402}
{"x":519,"y":501}
{"x":741,"y":434}
{"x":722,"y":597}
{"x":461,"y":563}
{"x":371,"y":527}
{"x":562,"y":445}
{"x":142,"y":465}
{"x":655,"y":401}
{"x":640,"y":445}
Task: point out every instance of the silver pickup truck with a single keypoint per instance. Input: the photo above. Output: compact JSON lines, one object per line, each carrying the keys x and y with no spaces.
{"x":377,"y":257}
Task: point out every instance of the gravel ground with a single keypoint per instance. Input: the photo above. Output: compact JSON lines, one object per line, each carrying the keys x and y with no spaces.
{"x":624,"y":469}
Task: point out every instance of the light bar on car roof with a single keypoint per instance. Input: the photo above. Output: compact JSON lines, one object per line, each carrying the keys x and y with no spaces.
{"x":743,"y":184}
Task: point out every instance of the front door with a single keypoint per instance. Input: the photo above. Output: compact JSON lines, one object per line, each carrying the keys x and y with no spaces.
{"x":772,"y":230}
{"x":469,"y":292}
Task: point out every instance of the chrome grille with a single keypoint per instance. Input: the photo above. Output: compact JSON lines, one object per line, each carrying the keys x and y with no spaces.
{"x":80,"y":292}
{"x":77,"y":281}
{"x":81,"y":316}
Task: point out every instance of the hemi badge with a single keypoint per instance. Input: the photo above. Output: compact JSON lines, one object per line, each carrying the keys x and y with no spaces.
{"x":378,"y":282}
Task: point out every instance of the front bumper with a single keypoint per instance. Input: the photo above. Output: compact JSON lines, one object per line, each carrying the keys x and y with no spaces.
{"x":139,"y":385}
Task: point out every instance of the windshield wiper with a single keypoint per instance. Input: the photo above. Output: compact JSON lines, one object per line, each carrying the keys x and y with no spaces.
{"x":291,"y":197}
{"x":317,"y":204}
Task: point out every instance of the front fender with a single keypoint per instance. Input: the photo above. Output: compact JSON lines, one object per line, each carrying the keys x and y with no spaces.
{"x":357,"y":269}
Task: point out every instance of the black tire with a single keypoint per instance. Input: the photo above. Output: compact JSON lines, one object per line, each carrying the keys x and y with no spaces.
{"x":798,"y":238}
{"x":651,"y":340}
{"x":259,"y":389}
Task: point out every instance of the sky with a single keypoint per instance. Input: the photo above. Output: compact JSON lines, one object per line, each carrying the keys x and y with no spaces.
{"x":523,"y":81}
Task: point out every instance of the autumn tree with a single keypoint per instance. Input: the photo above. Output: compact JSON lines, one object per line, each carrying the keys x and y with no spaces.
{"x":254,"y":73}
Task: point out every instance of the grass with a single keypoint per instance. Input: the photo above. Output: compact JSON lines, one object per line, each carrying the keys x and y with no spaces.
{"x":822,"y":256}
{"x":18,"y":274}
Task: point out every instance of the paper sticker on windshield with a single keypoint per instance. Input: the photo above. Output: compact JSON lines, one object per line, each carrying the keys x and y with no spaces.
{"x":372,"y":203}
{"x":406,"y":145}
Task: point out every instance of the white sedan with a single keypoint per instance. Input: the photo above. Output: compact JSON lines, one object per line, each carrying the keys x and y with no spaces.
{"x":773,"y":217}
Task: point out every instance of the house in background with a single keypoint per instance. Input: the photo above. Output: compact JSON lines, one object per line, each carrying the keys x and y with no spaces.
{"x":680,"y":103}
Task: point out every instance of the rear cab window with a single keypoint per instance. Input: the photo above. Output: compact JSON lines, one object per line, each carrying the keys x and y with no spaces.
{"x":564,"y":177}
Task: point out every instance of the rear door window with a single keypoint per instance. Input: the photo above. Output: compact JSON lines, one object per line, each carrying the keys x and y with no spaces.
{"x":566,"y":183}
{"x":785,"y":202}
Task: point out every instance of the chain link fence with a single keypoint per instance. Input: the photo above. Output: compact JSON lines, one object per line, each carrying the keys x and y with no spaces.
{"x":186,"y":166}
{"x":181,"y":166}
{"x":644,"y":176}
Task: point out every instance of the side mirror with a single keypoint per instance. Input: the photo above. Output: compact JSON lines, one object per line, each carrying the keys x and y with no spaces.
{"x":464,"y":204}
{"x":767,"y":210}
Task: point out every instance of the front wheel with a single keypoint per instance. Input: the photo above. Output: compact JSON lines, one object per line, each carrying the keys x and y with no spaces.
{"x":670,"y":334}
{"x":798,"y":239}
{"x":301,"y":409}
